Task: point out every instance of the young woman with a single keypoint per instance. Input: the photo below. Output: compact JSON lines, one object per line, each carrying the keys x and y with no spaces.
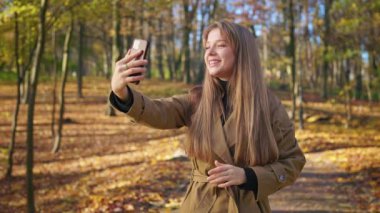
{"x":241,"y":141}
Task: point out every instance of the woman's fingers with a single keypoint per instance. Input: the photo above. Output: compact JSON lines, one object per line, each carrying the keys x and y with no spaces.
{"x":226,"y":184}
{"x":218,"y":169}
{"x":132,"y":79}
{"x":225,"y":175}
{"x":129,"y":57}
{"x":132,"y":64}
{"x":217,"y":163}
{"x":137,"y":63}
{"x":135,"y":68}
{"x":133,"y":74}
{"x":219,"y":179}
{"x":131,"y":71}
{"x":216,"y":177}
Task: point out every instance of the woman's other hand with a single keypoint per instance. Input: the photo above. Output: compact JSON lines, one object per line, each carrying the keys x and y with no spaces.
{"x":225,"y":175}
{"x":124,"y":68}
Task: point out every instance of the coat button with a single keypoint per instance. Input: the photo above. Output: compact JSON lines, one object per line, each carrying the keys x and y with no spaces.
{"x":281,"y":178}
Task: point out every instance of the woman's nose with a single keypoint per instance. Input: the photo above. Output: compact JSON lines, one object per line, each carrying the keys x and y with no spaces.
{"x":211,"y":50}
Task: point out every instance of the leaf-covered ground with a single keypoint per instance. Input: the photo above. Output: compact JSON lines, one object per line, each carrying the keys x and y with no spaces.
{"x":108,"y":164}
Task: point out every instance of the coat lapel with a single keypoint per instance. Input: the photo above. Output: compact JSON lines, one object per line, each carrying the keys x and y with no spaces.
{"x":221,"y":149}
{"x":229,"y":133}
{"x":220,"y":146}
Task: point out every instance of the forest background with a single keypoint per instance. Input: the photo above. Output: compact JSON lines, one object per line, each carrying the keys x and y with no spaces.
{"x":63,"y":148}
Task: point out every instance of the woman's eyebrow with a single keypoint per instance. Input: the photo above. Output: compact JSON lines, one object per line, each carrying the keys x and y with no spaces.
{"x":223,"y":40}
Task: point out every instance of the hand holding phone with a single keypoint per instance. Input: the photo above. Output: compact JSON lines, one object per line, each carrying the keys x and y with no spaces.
{"x":130,"y":68}
{"x":138,"y":45}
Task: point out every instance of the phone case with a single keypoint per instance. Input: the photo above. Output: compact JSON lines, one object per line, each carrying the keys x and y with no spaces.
{"x":140,"y":44}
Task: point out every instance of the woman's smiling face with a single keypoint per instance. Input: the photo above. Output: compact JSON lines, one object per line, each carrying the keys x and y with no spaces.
{"x":219,"y":55}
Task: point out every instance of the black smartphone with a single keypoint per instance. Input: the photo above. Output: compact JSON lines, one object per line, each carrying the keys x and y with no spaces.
{"x":137,"y":45}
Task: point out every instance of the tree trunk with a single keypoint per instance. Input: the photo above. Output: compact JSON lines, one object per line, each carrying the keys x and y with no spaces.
{"x":186,"y":49}
{"x":26,"y":86}
{"x":194,"y":59}
{"x":335,"y":71}
{"x":306,"y":64}
{"x":159,"y":46}
{"x":178,"y":62}
{"x":65,"y":62}
{"x":141,"y":17}
{"x":300,"y":98}
{"x":26,"y":68}
{"x":205,"y":11}
{"x":189,"y":17}
{"x":292,"y":54}
{"x":149,"y":65}
{"x":326,"y":42}
{"x":170,"y":50}
{"x":358,"y":79}
{"x":8,"y":174}
{"x":117,"y":50}
{"x":31,"y":104}
{"x":348,"y":93}
{"x":265,"y":43}
{"x":342,"y":79}
{"x":54,"y":95}
{"x":215,"y":6}
{"x":107,"y":56}
{"x":80,"y":69}
{"x":371,"y":69}
{"x":26,"y":71}
{"x":105,"y":62}
{"x":129,"y":36}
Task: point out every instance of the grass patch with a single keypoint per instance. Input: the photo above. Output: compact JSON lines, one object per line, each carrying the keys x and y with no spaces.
{"x":157,"y":89}
{"x":8,"y":77}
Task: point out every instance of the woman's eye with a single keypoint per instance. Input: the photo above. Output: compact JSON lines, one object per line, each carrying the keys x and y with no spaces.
{"x":221,"y":45}
{"x":207,"y":47}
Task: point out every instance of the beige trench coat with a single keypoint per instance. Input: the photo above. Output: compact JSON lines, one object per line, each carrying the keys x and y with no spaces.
{"x":201,"y":196}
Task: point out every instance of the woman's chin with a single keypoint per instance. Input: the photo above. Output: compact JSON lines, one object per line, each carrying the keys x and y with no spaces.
{"x":218,"y":74}
{"x":215,"y":73}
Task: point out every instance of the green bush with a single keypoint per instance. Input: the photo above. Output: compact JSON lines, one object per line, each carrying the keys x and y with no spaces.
{"x":8,"y":77}
{"x":376,"y":96}
{"x":279,"y":85}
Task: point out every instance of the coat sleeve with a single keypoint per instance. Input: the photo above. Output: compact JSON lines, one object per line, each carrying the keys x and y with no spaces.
{"x":287,"y":168}
{"x":165,"y":113}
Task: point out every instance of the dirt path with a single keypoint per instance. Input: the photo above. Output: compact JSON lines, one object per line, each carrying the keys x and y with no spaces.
{"x":317,"y":189}
{"x":323,"y":187}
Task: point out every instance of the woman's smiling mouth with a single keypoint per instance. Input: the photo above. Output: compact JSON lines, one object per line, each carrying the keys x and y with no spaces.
{"x":213,"y":62}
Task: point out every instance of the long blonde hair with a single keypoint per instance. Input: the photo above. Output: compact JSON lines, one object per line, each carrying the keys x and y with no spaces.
{"x":247,"y":99}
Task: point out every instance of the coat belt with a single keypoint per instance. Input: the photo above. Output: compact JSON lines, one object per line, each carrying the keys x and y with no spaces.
{"x":196,"y":176}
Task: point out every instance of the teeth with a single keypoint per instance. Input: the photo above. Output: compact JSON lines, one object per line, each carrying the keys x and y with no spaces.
{"x":213,"y":62}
